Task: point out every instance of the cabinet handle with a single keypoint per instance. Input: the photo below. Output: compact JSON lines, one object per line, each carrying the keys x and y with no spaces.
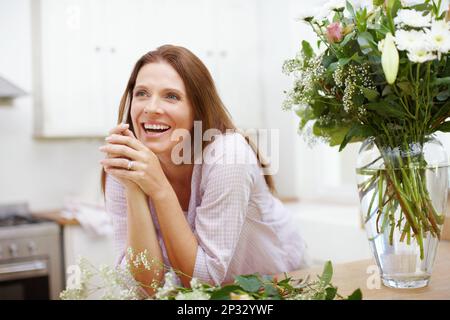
{"x":112,"y":50}
{"x":97,"y":49}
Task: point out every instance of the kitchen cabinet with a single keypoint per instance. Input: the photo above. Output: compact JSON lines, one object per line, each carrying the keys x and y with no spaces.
{"x":85,"y":50}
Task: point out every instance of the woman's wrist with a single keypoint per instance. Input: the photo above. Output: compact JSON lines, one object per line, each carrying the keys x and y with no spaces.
{"x":133,"y":190}
{"x":163,"y":192}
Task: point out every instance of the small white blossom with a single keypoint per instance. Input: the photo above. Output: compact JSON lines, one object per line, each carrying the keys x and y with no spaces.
{"x":195,"y":284}
{"x":412,"y":18}
{"x":169,"y":286}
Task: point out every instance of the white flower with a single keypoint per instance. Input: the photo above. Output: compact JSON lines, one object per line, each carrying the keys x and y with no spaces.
{"x":195,"y":284}
{"x":420,"y":55}
{"x":359,"y":5}
{"x":323,"y":12}
{"x":439,"y":36}
{"x":309,"y":12}
{"x":410,"y":3}
{"x":390,"y":59}
{"x":412,"y":18}
{"x":362,"y":4}
{"x":169,"y":285}
{"x":335,"y":4}
{"x":408,"y":40}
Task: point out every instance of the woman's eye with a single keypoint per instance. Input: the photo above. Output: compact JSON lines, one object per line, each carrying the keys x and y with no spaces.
{"x":173,"y":96}
{"x":140,"y":93}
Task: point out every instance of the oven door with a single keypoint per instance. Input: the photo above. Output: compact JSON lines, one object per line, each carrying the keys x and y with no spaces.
{"x":23,"y":280}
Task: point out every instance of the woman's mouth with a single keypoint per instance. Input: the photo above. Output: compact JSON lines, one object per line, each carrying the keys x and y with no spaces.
{"x":155,"y":129}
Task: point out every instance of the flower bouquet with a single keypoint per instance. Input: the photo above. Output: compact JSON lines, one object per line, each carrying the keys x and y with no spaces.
{"x":118,"y":283}
{"x":381,"y":75}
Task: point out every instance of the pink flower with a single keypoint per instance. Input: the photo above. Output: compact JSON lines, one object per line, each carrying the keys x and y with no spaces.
{"x":334,"y":32}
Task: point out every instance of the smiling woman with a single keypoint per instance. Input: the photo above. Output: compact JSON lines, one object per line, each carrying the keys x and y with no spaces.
{"x":211,"y":220}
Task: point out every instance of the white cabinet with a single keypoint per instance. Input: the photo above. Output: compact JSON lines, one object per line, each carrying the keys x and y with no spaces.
{"x":85,"y":50}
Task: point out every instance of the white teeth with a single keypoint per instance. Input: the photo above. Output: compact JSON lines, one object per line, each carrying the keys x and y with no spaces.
{"x":156,"y":127}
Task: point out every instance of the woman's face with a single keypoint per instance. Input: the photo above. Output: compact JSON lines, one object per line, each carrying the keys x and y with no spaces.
{"x":160,"y":106}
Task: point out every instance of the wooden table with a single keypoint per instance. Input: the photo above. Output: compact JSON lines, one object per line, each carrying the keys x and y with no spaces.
{"x":353,"y":275}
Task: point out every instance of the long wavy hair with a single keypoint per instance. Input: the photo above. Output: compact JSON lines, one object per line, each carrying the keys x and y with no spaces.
{"x":201,"y":93}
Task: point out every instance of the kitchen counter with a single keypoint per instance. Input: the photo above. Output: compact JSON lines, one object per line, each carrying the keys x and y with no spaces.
{"x":353,"y":275}
{"x":57,"y":217}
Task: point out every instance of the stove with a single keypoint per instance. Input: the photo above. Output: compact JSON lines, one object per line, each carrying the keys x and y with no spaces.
{"x":30,"y":255}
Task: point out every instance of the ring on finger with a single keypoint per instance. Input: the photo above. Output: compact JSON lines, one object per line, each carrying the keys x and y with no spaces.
{"x":130,"y":165}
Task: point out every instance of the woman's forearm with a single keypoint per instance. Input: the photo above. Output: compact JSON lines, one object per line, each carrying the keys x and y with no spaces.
{"x":142,"y":236}
{"x":180,"y":242}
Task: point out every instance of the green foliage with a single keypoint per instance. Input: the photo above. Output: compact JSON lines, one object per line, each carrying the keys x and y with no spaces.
{"x":254,"y":286}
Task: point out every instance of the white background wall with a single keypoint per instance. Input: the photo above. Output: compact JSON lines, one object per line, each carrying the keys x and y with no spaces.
{"x":40,"y":172}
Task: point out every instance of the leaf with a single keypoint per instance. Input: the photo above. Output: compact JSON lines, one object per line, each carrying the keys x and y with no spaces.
{"x":443,"y":95}
{"x":358,"y":130}
{"x":386,"y":109}
{"x":336,"y":133}
{"x":406,"y":87}
{"x":443,"y":112}
{"x":346,"y":39}
{"x":356,"y":295}
{"x":331,"y":293}
{"x":370,"y":94}
{"x":271,"y":291}
{"x":349,"y":8}
{"x":327,"y":274}
{"x":307,"y":50}
{"x":250,"y":283}
{"x":441,"y":81}
{"x":344,"y":61}
{"x":366,"y":42}
{"x":224,"y":292}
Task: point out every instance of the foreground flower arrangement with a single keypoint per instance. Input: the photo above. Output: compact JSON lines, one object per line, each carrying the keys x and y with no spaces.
{"x":118,"y":283}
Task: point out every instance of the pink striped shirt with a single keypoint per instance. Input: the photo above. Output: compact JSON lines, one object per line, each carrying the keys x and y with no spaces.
{"x":240,"y":226}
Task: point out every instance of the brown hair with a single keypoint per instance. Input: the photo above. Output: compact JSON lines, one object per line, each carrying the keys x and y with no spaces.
{"x":201,"y":93}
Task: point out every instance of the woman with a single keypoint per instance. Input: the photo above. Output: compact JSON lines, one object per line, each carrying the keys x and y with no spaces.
{"x":210,"y":220}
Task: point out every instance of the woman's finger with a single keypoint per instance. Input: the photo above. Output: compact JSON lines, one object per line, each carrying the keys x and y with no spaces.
{"x":119,"y":129}
{"x":120,"y":163}
{"x":120,"y":150}
{"x":121,"y":173}
{"x":126,"y":140}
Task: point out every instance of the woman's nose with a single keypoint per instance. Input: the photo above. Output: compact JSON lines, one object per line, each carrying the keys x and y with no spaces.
{"x":152,"y":107}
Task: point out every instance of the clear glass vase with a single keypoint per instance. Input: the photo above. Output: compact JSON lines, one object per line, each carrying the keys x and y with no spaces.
{"x":403,"y":196}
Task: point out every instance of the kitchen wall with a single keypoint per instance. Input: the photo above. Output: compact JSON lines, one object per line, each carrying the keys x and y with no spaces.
{"x":42,"y":172}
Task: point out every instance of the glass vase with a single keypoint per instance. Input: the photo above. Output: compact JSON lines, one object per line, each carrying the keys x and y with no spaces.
{"x":403,"y":196}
